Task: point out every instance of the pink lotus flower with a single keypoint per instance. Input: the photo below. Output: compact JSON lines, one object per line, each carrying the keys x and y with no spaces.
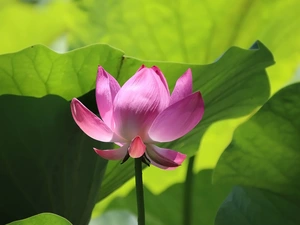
{"x":141,"y":114}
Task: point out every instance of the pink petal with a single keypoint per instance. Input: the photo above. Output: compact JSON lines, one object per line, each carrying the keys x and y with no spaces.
{"x":178,"y":119}
{"x":137,"y":148}
{"x":106,"y":89}
{"x":161,"y":76}
{"x":138,"y":103}
{"x":164,"y":158}
{"x":183,"y":87}
{"x":142,"y":67}
{"x":113,"y":154}
{"x":90,"y":124}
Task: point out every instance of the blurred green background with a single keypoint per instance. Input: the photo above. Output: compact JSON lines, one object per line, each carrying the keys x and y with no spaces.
{"x":182,"y":31}
{"x":189,"y":31}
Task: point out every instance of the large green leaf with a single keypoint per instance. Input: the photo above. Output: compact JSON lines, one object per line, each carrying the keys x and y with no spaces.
{"x":46,"y":162}
{"x":265,"y":150}
{"x":43,"y":219}
{"x":226,"y":85}
{"x":38,"y":71}
{"x":254,"y":206}
{"x":168,"y":208}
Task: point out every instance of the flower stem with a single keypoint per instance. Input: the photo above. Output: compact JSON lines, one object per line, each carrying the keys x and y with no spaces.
{"x":139,"y":191}
{"x":188,"y":193}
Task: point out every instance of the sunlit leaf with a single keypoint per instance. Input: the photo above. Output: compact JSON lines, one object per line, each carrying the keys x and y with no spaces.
{"x":42,"y":219}
{"x":38,"y":71}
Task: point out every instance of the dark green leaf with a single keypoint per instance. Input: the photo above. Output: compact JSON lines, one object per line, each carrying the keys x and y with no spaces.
{"x":265,"y":150}
{"x":46,"y":163}
{"x":254,"y":206}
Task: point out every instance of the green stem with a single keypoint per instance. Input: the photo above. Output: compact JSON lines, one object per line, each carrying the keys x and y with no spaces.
{"x":139,"y":191}
{"x":188,"y":193}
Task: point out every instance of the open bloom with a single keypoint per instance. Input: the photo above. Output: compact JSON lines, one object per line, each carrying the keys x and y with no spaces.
{"x":141,"y":114}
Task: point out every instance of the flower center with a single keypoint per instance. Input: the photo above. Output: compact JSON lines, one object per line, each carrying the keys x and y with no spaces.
{"x":137,"y":149}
